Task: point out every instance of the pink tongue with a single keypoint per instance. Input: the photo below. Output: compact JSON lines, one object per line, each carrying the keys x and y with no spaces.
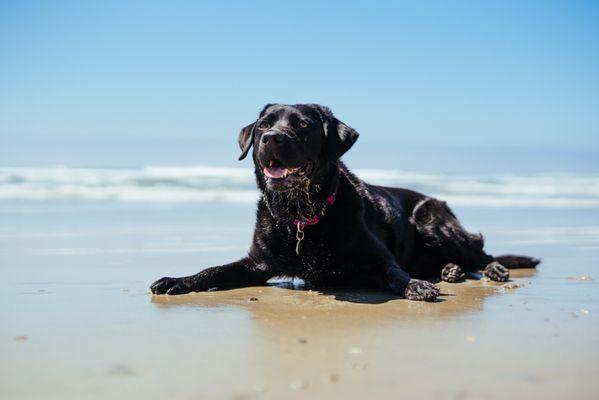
{"x":275,"y":172}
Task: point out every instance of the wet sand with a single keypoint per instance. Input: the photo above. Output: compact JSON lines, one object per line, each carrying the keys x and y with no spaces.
{"x":78,"y":321}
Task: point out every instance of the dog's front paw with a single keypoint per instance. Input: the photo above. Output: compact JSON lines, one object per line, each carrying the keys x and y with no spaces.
{"x":421,"y":290}
{"x":496,"y":272}
{"x":171,"y":286}
{"x":452,"y":273}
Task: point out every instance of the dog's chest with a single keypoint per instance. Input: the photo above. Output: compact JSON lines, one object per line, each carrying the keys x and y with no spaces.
{"x":313,"y":257}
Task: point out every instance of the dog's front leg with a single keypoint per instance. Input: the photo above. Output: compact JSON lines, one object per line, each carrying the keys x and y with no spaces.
{"x":400,"y":282}
{"x":237,"y":274}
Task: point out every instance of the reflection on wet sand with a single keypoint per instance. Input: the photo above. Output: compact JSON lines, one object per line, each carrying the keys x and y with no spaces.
{"x":286,"y":300}
{"x":331,"y":343}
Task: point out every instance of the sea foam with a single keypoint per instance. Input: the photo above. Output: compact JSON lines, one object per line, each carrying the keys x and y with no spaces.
{"x":237,"y":185}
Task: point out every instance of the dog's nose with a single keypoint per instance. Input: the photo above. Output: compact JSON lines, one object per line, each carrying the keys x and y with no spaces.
{"x":274,"y":137}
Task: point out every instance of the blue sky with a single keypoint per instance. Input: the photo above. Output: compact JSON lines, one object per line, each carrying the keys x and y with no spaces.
{"x":85,"y":80}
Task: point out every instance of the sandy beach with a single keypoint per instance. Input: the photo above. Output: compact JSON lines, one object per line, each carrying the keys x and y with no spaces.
{"x":79,"y":322}
{"x":132,"y":138}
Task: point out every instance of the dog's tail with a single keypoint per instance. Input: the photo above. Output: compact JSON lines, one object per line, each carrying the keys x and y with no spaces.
{"x":511,"y":261}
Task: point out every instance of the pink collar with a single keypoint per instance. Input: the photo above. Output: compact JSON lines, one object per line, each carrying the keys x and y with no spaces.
{"x":314,"y":219}
{"x":300,"y":225}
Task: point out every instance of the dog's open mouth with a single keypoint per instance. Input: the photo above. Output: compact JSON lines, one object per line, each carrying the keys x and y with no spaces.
{"x":275,"y":170}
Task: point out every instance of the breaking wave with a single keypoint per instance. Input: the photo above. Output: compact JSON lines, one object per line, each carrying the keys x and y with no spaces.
{"x":236,"y":185}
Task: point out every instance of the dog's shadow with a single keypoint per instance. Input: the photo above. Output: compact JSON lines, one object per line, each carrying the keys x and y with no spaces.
{"x":361,"y":296}
{"x":351,"y":294}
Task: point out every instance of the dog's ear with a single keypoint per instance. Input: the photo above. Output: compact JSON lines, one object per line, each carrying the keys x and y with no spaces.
{"x":246,"y":136}
{"x":339,"y":137}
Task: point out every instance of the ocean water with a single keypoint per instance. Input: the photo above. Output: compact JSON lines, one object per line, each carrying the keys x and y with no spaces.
{"x":210,"y":184}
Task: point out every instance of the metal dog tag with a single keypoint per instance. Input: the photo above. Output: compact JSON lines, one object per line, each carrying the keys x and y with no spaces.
{"x":299,"y":235}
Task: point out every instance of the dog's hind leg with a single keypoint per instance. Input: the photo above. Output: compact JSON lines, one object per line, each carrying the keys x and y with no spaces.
{"x":459,"y":251}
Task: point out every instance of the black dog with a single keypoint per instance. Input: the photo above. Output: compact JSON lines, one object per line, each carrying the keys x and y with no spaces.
{"x":319,"y":222}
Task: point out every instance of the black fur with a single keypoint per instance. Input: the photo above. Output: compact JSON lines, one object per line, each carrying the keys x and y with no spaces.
{"x":371,"y":236}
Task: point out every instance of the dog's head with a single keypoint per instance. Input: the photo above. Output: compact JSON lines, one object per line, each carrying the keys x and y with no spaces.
{"x":294,"y":143}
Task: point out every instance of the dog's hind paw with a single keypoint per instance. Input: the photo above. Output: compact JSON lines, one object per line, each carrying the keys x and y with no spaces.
{"x":170,"y":286}
{"x":421,"y":290}
{"x":496,"y":272}
{"x":452,"y":273}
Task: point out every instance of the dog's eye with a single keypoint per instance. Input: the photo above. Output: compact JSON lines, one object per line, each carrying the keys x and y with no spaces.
{"x":264,"y":125}
{"x":303,"y":124}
